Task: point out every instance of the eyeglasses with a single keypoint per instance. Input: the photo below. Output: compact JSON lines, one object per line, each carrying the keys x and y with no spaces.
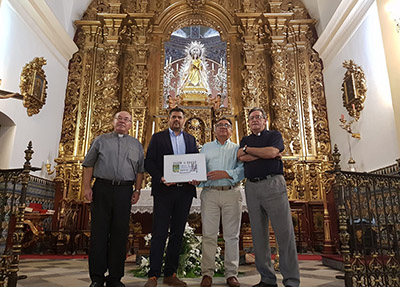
{"x":223,"y":125}
{"x":126,"y":119}
{"x":257,"y":117}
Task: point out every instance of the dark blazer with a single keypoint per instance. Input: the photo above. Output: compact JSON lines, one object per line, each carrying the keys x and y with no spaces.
{"x":160,"y":145}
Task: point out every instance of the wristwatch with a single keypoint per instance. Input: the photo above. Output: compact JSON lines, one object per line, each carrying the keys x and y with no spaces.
{"x":245,"y":149}
{"x":137,"y":190}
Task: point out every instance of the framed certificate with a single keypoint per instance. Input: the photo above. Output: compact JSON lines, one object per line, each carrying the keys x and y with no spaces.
{"x":185,"y":167}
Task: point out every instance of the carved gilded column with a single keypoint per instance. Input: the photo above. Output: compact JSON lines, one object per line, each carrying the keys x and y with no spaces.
{"x":106,"y":96}
{"x":92,"y":96}
{"x":79,"y":102}
{"x":283,"y":106}
{"x":254,"y":74}
{"x":136,"y":94}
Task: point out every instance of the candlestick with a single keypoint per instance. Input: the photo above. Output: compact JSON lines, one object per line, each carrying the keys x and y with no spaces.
{"x":137,"y":129}
{"x":347,"y":127}
{"x":237,"y":132}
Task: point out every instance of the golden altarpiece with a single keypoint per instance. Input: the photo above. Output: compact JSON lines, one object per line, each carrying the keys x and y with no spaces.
{"x":270,"y":63}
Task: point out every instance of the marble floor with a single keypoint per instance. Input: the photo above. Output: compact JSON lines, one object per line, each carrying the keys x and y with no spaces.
{"x":74,"y":272}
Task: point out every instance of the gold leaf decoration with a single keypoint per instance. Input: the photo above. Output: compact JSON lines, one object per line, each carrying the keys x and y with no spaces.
{"x":33,"y":85}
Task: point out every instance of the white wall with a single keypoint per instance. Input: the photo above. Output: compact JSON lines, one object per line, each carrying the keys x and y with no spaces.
{"x":378,"y":146}
{"x":68,"y":11}
{"x":322,"y":11}
{"x":27,"y":34}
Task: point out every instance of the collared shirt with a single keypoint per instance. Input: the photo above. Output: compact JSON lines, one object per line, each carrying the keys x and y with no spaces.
{"x":263,"y":167}
{"x":115,"y":157}
{"x":223,"y":157}
{"x":178,"y":142}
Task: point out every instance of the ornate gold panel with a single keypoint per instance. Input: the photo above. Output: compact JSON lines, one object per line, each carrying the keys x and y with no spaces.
{"x":33,"y":85}
{"x":270,"y":63}
{"x":354,"y":89}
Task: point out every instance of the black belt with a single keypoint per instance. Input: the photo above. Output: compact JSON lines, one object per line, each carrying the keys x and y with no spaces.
{"x":116,"y":182}
{"x":181,"y":184}
{"x":257,"y":179}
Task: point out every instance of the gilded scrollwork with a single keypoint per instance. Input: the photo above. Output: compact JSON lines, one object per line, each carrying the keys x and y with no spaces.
{"x":195,"y":127}
{"x":284,"y":99}
{"x":33,"y":85}
{"x":354,"y":89}
{"x":72,"y":101}
{"x":319,"y":112}
{"x":296,"y":7}
{"x":199,"y":121}
{"x":95,"y":7}
{"x":196,"y":4}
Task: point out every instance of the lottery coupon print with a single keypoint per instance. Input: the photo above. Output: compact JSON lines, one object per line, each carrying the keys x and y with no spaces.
{"x":185,"y":167}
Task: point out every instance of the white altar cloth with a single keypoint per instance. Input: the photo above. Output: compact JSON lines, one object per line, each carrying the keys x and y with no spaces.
{"x":145,"y":203}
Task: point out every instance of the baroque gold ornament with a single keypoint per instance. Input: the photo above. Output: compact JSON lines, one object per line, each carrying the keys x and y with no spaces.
{"x":33,"y":85}
{"x":354,"y":89}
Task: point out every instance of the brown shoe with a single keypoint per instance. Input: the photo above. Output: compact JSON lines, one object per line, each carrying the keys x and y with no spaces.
{"x":174,"y":281}
{"x":232,"y":282}
{"x":151,"y":282}
{"x":206,"y":281}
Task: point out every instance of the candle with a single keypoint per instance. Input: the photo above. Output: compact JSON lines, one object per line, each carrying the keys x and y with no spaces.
{"x":212,"y":66}
{"x":153,"y":127}
{"x":354,"y":108}
{"x":342,"y":117}
{"x":137,"y":128}
{"x":237,"y":132}
{"x":170,"y":60}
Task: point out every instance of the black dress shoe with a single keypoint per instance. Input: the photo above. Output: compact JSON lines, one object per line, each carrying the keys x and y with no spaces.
{"x":96,"y":284}
{"x":262,"y":284}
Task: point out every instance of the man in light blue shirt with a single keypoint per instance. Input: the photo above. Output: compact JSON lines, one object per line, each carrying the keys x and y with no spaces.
{"x":221,"y":197}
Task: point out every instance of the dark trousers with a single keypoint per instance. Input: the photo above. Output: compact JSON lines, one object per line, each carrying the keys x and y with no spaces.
{"x":110,"y":211}
{"x":170,"y":211}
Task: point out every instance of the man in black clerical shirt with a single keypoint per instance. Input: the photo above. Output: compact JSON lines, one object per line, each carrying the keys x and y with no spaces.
{"x":266,"y":198}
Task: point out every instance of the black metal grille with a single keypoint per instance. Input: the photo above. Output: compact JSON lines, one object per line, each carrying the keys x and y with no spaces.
{"x":369,"y":219}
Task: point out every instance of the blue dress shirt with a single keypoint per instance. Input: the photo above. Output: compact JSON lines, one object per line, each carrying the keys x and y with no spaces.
{"x":178,"y":142}
{"x":223,"y":157}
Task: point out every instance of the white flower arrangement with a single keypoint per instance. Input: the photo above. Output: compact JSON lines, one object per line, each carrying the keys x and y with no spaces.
{"x":189,"y":259}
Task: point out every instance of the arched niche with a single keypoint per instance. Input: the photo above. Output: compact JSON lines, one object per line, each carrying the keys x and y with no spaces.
{"x":7,"y":137}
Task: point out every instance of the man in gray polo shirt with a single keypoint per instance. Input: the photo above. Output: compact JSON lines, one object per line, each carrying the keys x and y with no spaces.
{"x":116,"y":160}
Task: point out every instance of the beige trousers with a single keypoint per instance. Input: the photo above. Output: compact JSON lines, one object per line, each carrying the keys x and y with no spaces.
{"x":216,"y":204}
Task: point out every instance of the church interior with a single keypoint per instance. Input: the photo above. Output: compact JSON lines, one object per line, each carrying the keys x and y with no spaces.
{"x":325,"y":72}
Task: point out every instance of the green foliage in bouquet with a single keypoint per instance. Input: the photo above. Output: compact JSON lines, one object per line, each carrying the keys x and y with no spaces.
{"x":189,"y":259}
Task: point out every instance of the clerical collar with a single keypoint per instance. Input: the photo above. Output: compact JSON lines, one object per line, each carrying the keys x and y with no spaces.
{"x":258,"y":134}
{"x":119,"y":135}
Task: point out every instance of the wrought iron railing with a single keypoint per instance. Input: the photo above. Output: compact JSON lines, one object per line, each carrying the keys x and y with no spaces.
{"x":369,"y":222}
{"x":9,"y":259}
